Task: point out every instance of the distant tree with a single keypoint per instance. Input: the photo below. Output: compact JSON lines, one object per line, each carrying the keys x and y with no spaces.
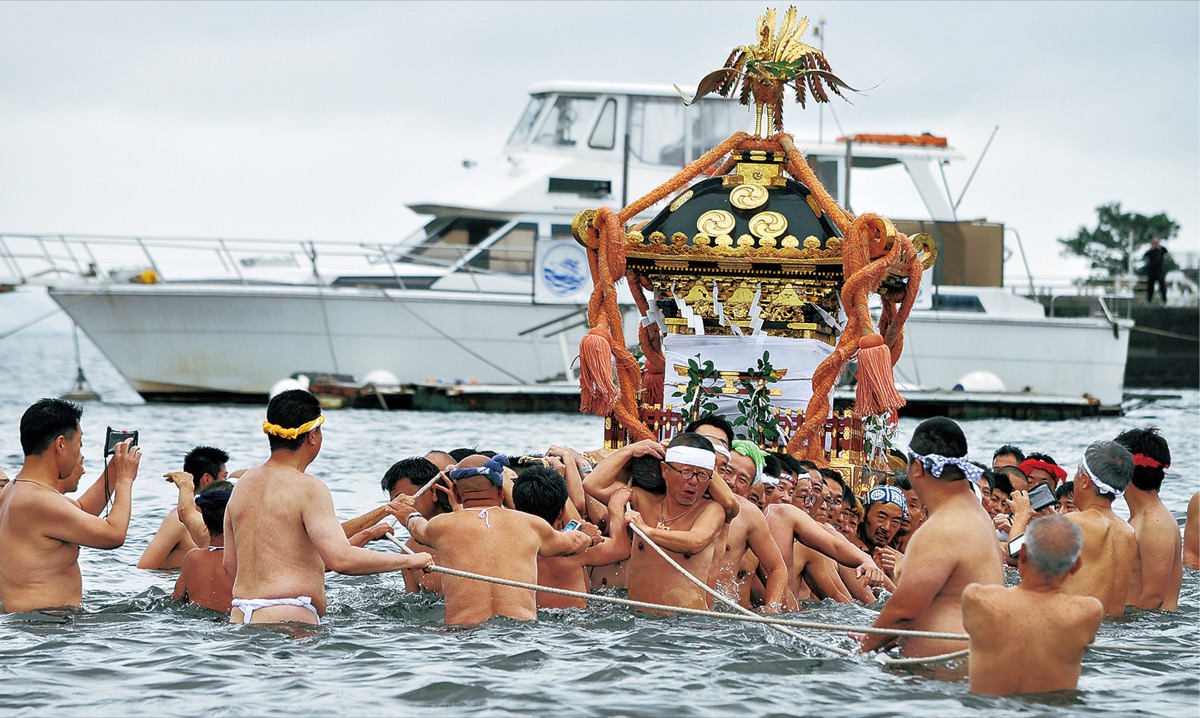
{"x":1117,"y":235}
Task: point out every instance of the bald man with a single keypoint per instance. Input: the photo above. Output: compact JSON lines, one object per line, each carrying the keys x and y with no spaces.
{"x":1031,"y":639}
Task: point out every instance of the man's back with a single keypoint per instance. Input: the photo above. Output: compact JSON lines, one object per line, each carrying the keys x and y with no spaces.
{"x":36,"y":570}
{"x":1027,"y":641}
{"x":265,"y":529}
{"x":1109,"y":551}
{"x":493,"y":541}
{"x":1157,"y":574}
{"x":954,"y":548}
{"x":203,"y":580}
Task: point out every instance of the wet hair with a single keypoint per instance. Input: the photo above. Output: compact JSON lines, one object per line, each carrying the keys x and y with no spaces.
{"x":1002,"y":482}
{"x":204,"y":460}
{"x":943,"y":437}
{"x":46,"y":420}
{"x":211,"y":502}
{"x":460,"y":454}
{"x":901,"y":481}
{"x":807,"y":465}
{"x":539,"y":490}
{"x":1052,"y":545}
{"x":717,"y":422}
{"x":1112,"y":463}
{"x":416,"y":469}
{"x":290,"y":409}
{"x":1147,"y":442}
{"x":990,"y":477}
{"x":771,"y":465}
{"x":790,"y":463}
{"x":1066,"y":490}
{"x":833,"y":474}
{"x":1009,"y":450}
{"x":1005,"y":475}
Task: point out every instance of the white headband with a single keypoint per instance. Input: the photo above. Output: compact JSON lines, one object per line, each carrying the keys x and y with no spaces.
{"x":1104,"y":488}
{"x":722,"y":451}
{"x":692,"y":456}
{"x":770,"y":480}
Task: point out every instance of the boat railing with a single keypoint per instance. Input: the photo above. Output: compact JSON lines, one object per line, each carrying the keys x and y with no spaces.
{"x":49,"y":258}
{"x":1109,"y":305}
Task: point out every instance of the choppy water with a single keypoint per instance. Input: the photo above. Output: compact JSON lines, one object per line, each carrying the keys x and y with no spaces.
{"x":132,"y":651}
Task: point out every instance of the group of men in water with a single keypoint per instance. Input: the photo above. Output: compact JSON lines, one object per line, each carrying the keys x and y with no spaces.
{"x":671,"y":523}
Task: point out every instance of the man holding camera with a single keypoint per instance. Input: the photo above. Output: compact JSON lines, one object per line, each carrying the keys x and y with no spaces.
{"x":41,"y":530}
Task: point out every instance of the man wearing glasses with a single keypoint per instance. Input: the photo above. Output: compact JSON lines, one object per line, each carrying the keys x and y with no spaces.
{"x":681,"y":521}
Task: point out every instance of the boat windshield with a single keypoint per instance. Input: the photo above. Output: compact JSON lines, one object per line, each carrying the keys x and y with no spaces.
{"x":446,"y":243}
{"x":525,"y":125}
{"x":664,"y":132}
{"x":565,"y":122}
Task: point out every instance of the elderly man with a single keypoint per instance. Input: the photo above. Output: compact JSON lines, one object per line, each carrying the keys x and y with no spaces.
{"x":482,"y":536}
{"x":281,"y":533}
{"x":1158,"y":570}
{"x":1031,"y":639}
{"x":1109,"y":543}
{"x":41,"y":530}
{"x":886,"y":511}
{"x":955,"y":547}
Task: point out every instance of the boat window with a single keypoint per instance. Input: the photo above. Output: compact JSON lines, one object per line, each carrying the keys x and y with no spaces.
{"x":604,"y":137}
{"x":525,"y":125}
{"x":957,"y":303}
{"x":511,"y":254}
{"x":563,"y":119}
{"x":449,"y":243}
{"x":664,"y":132}
{"x":561,"y":231}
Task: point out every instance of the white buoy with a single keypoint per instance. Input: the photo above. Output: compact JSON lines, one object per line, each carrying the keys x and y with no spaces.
{"x":285,"y":385}
{"x":381,"y":377}
{"x":980,"y":381}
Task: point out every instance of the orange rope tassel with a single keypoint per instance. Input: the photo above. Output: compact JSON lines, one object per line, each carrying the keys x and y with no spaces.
{"x":876,"y":393}
{"x":597,"y":392}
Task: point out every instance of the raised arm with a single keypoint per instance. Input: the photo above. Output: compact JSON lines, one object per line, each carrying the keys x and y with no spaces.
{"x":189,"y":515}
{"x":614,"y":469}
{"x":570,"y":472}
{"x":72,"y":524}
{"x":334,"y":548}
{"x":559,"y":543}
{"x":617,"y":546}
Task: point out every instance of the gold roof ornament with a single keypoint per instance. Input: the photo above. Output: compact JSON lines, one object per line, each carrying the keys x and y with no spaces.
{"x":765,"y":70}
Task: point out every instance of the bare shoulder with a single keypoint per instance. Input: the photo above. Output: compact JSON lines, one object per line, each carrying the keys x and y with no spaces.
{"x":981,"y":594}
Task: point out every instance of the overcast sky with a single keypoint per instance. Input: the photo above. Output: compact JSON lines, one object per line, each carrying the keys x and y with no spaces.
{"x":321,"y":120}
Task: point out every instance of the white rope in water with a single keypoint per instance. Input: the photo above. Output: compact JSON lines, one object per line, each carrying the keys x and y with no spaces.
{"x":751,"y":617}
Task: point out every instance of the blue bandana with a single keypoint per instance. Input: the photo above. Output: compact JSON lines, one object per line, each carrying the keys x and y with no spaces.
{"x":492,"y":468}
{"x":888,"y":495}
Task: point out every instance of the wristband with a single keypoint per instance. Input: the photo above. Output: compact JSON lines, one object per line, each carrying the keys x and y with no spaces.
{"x":586,"y":470}
{"x":411,"y":516}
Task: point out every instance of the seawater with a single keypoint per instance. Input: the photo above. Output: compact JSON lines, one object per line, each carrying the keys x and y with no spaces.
{"x":132,"y":651}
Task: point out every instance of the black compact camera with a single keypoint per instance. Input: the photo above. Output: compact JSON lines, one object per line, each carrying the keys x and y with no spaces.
{"x":115,"y":437}
{"x":1040,"y":497}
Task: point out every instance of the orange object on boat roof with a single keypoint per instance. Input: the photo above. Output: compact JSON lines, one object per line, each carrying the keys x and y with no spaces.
{"x":922,"y":140}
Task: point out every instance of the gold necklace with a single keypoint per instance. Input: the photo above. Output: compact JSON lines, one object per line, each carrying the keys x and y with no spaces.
{"x":665,"y":523}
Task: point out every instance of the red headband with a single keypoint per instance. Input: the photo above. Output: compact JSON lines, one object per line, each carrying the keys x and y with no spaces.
{"x":1054,"y":470}
{"x":1150,"y":462}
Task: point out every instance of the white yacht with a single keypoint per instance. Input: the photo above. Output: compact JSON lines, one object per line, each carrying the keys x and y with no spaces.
{"x":492,"y":290}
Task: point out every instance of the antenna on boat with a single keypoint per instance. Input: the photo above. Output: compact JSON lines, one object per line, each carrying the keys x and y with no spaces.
{"x":82,"y":391}
{"x":976,"y":168}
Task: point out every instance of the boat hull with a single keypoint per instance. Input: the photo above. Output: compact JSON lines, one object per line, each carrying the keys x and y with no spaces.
{"x":200,"y":342}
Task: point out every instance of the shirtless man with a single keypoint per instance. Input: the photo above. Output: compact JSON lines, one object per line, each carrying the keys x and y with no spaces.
{"x":1158,"y":571}
{"x":955,"y":547}
{"x":542,"y":491}
{"x":203,"y":465}
{"x":41,"y":530}
{"x":202,"y":578}
{"x":686,"y":526}
{"x":482,"y":536}
{"x":406,"y":477}
{"x":1031,"y":639}
{"x":886,"y":511}
{"x":1109,"y":543}
{"x":819,"y":552}
{"x":1191,"y":533}
{"x":281,"y":533}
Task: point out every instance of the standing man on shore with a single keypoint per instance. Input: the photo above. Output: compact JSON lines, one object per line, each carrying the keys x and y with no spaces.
{"x":955,"y":547}
{"x":281,"y":533}
{"x":1154,"y":269}
{"x":41,"y":530}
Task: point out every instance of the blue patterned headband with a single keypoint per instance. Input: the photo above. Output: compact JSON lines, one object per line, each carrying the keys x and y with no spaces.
{"x":492,"y":468}
{"x":888,"y":495}
{"x":936,"y":462}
